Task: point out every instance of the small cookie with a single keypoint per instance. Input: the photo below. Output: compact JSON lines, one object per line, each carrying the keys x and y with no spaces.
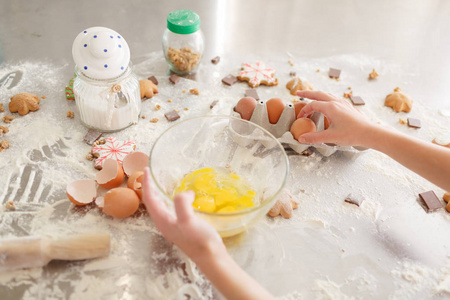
{"x":112,"y":148}
{"x":257,"y":74}
{"x":373,"y":75}
{"x":23,"y":103}
{"x":284,"y":206}
{"x":147,"y":88}
{"x":298,"y":84}
{"x":398,"y":101}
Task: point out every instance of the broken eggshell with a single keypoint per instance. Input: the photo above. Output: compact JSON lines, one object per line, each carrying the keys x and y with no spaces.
{"x":135,"y":161}
{"x":135,"y":182}
{"x":81,"y":192}
{"x":100,"y":202}
{"x":111,"y":175}
{"x":121,"y":202}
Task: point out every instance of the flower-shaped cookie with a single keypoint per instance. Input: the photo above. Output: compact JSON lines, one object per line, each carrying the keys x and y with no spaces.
{"x":148,"y":89}
{"x":285,"y":206}
{"x":112,"y":148}
{"x":298,"y":84}
{"x":398,"y":101}
{"x":257,"y":74}
{"x":23,"y":103}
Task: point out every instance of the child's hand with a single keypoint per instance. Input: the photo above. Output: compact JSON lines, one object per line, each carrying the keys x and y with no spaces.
{"x":194,"y":236}
{"x":348,"y":126}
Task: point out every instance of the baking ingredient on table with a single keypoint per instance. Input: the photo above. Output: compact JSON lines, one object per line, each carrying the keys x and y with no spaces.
{"x":92,"y":136}
{"x":174,"y":78}
{"x":302,"y":126}
{"x":194,"y":92}
{"x":218,"y":190}
{"x":373,"y":75}
{"x":415,"y":123}
{"x":23,"y":103}
{"x":334,"y":73}
{"x":298,"y":84}
{"x":284,"y":206}
{"x":3,"y":130}
{"x":81,"y":192}
{"x":134,"y":162}
{"x":147,"y":88}
{"x":171,"y":116}
{"x":215,"y":60}
{"x":245,"y":107}
{"x":257,"y":74}
{"x":111,"y":175}
{"x":153,"y":79}
{"x":120,"y":202}
{"x":292,"y":74}
{"x":112,"y":148}
{"x":399,"y":101}
{"x":357,"y":100}
{"x":4,"y":145}
{"x":134,"y":182}
{"x":214,"y":103}
{"x":355,"y":199}
{"x":275,"y":107}
{"x":2,"y":109}
{"x":34,"y":251}
{"x":229,"y":80}
{"x":430,"y":200}
{"x":70,"y":114}
{"x":8,"y":119}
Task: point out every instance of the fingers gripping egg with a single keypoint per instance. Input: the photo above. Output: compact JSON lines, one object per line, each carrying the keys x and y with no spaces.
{"x":302,"y":126}
{"x":245,"y":107}
{"x":275,"y":107}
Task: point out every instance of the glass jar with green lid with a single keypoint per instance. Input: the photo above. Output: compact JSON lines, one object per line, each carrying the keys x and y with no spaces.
{"x":183,"y":41}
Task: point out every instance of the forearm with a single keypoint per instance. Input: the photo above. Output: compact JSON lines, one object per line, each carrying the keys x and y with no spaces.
{"x":426,"y":159}
{"x":229,"y":279}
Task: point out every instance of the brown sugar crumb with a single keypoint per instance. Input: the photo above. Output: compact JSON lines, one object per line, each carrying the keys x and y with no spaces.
{"x":144,"y":117}
{"x":157,"y":107}
{"x":186,"y":108}
{"x":3,"y":130}
{"x":8,"y":119}
{"x":374,"y":74}
{"x":401,"y":121}
{"x":397,"y":89}
{"x":184,"y":59}
{"x":348,"y":95}
{"x":349,"y":88}
{"x":154,"y":120}
{"x":183,"y":91}
{"x":70,"y":114}
{"x":43,"y":96}
{"x":194,"y":91}
{"x":291,"y":62}
{"x":170,"y":100}
{"x":99,"y":142}
{"x":318,"y":70}
{"x":2,"y":109}
{"x":90,"y":157}
{"x":4,"y":145}
{"x":10,"y":205}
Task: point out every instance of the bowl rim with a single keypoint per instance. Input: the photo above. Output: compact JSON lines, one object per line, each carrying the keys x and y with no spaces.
{"x":231,"y":214}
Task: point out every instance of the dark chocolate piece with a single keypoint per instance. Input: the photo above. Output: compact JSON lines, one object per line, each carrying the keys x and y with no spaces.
{"x":172,"y":116}
{"x":215,"y":60}
{"x":174,"y":78}
{"x":334,"y":73}
{"x":214,"y":103}
{"x":292,"y":74}
{"x":431,"y":201}
{"x":252,"y":93}
{"x":229,"y":80}
{"x":357,"y":100}
{"x":354,"y":199}
{"x":91,"y":136}
{"x":415,"y":123}
{"x":153,"y":79}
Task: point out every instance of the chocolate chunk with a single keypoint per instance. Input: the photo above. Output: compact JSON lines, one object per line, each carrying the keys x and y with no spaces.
{"x":215,"y":60}
{"x":172,"y":116}
{"x":415,"y":123}
{"x":91,"y":136}
{"x":334,"y":73}
{"x":174,"y":79}
{"x":252,"y":93}
{"x":308,"y":152}
{"x":431,"y":201}
{"x":354,"y":199}
{"x":357,"y":100}
{"x":292,"y":74}
{"x":214,"y":103}
{"x":229,"y":80}
{"x":153,"y":79}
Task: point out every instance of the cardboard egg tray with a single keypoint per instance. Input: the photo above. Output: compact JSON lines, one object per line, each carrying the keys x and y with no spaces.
{"x":281,"y":131}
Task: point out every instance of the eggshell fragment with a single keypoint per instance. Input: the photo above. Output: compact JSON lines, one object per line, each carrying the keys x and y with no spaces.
{"x":245,"y":107}
{"x":111,"y":175}
{"x":135,"y":161}
{"x":121,"y":202}
{"x":275,"y":107}
{"x":81,"y":192}
{"x":301,"y":126}
{"x":135,"y":182}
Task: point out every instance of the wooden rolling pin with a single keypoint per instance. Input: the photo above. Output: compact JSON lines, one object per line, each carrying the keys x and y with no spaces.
{"x":28,"y":252}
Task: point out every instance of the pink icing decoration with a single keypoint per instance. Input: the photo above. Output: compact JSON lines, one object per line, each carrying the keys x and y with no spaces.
{"x":113,"y":149}
{"x":257,"y":73}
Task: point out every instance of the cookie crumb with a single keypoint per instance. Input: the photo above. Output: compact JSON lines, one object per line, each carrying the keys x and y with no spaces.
{"x":401,"y":121}
{"x":291,"y":63}
{"x":318,"y":70}
{"x":154,"y":120}
{"x":186,"y":108}
{"x":43,"y":96}
{"x":3,"y":130}
{"x":170,"y":100}
{"x":2,"y":109}
{"x":157,"y":107}
{"x":194,"y":91}
{"x":70,"y":114}
{"x":144,"y":117}
{"x":90,"y":157}
{"x":397,"y":89}
{"x":99,"y":142}
{"x":373,"y":75}
{"x":8,"y":119}
{"x":10,"y":205}
{"x":303,"y":191}
{"x":183,"y":91}
{"x":349,"y":88}
{"x":348,"y":95}
{"x":4,"y":145}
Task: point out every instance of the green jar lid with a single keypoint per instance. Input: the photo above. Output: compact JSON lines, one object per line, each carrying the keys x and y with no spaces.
{"x":183,"y":22}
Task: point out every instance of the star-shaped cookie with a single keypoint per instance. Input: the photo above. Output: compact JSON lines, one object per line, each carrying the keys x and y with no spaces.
{"x":257,"y":74}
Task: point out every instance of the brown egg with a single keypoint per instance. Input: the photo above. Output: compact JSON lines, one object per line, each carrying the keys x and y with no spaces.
{"x":301,"y":126}
{"x":245,"y":107}
{"x":120,"y":202}
{"x":298,"y":107}
{"x":111,"y":175}
{"x":275,"y":107}
{"x":81,"y":192}
{"x":135,"y":182}
{"x":326,"y":123}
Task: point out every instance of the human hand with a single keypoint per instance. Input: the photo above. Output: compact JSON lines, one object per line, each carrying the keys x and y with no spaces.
{"x":348,"y":126}
{"x":194,"y":236}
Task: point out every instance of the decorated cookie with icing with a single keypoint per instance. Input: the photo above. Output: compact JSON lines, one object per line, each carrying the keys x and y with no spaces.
{"x":257,"y":74}
{"x":112,"y":148}
{"x":69,"y":88}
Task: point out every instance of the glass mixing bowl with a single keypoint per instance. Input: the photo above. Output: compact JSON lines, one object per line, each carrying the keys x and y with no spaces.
{"x":221,"y":142}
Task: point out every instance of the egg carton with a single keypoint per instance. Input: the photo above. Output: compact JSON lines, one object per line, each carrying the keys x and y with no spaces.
{"x":281,"y":131}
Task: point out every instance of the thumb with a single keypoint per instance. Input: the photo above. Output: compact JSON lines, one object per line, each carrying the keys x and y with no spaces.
{"x":315,"y":137}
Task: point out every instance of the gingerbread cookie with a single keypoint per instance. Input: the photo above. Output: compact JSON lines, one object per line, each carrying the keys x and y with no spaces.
{"x":148,"y":88}
{"x":298,"y":84}
{"x":23,"y":103}
{"x":257,"y":74}
{"x":69,"y":88}
{"x":112,"y":148}
{"x":284,"y":206}
{"x":398,"y":101}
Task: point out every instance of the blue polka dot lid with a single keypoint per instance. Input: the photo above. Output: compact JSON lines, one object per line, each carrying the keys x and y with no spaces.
{"x":101,"y":53}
